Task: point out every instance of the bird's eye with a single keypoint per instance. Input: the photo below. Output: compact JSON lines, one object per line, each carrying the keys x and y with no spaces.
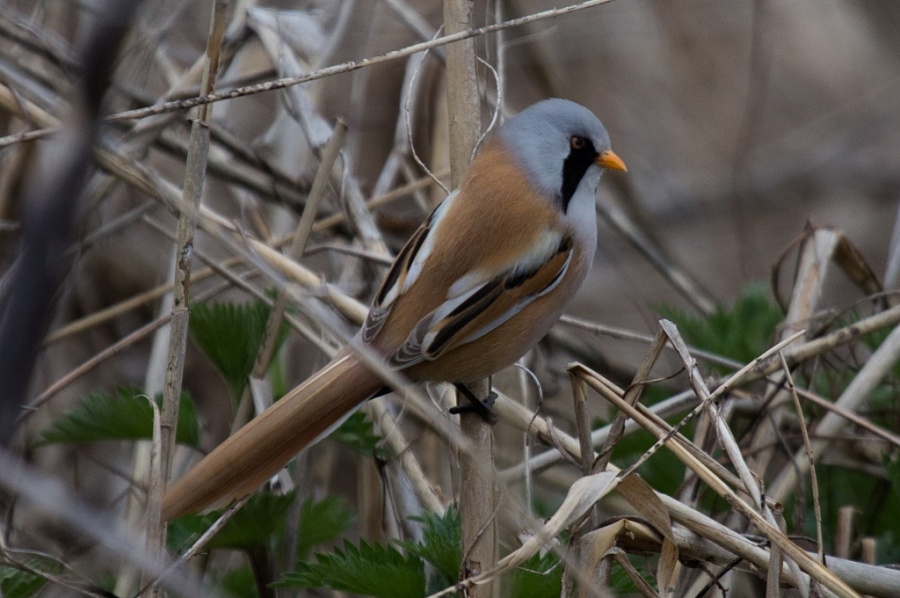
{"x":577,"y":142}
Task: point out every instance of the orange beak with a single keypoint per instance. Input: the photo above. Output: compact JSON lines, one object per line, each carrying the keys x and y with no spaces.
{"x":609,"y":159}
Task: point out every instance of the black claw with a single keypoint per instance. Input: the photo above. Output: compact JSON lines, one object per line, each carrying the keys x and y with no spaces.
{"x":483,"y":407}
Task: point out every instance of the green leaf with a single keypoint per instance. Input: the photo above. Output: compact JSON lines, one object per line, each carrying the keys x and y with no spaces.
{"x":230,"y":334}
{"x":125,"y":415}
{"x":15,"y":583}
{"x":874,"y":498}
{"x":240,"y":583}
{"x":184,"y":531}
{"x":440,"y":545}
{"x":19,"y":584}
{"x":538,"y":577}
{"x":262,"y":518}
{"x":370,"y":570}
{"x":621,"y":584}
{"x":741,"y":333}
{"x":254,"y":525}
{"x":357,"y":433}
{"x":663,"y":471}
{"x":322,"y":521}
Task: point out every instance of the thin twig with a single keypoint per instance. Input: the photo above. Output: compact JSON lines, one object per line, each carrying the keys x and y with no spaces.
{"x":180,"y":105}
{"x":854,"y":396}
{"x":871,"y":580}
{"x":298,"y":244}
{"x":632,"y":396}
{"x":817,"y":507}
{"x":721,"y":488}
{"x":187,"y":224}
{"x":204,"y":538}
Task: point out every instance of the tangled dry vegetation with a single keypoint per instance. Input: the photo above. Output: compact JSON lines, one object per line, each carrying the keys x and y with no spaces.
{"x":708,"y":444}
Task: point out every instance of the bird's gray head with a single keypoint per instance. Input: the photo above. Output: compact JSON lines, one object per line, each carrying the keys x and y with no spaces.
{"x":561,"y":145}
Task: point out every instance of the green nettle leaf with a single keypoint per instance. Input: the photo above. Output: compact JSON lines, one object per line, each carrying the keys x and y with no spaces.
{"x":358,"y":434}
{"x":538,"y":577}
{"x":369,"y":570}
{"x":441,"y":545}
{"x":742,"y":333}
{"x":252,"y":526}
{"x":240,"y":583}
{"x":262,"y":518}
{"x":185,"y":530}
{"x":230,"y":335}
{"x":19,"y":584}
{"x":15,"y":583}
{"x":322,"y":521}
{"x":125,"y":415}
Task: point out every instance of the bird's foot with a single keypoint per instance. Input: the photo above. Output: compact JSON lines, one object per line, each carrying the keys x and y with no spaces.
{"x":483,"y":407}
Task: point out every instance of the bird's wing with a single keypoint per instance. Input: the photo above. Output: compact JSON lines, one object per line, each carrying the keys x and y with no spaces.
{"x":404,"y":271}
{"x":479,"y":302}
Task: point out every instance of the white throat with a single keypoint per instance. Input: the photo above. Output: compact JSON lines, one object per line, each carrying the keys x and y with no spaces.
{"x":582,"y":210}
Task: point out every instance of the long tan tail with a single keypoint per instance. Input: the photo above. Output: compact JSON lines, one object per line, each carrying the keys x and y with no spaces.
{"x":258,"y":450}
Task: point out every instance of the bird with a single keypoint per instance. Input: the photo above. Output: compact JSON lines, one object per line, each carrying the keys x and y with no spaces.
{"x":478,"y":284}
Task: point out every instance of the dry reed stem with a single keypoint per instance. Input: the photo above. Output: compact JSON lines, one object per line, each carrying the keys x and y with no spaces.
{"x":632,"y":396}
{"x":549,"y":458}
{"x":259,"y":386}
{"x":852,"y":398}
{"x":204,"y":539}
{"x":401,"y":447}
{"x":790,"y":549}
{"x":866,"y":579}
{"x":193,"y":191}
{"x":583,"y":431}
{"x":240,"y":281}
{"x":145,"y":456}
{"x":733,"y":381}
{"x":851,"y":417}
{"x":104,"y":315}
{"x":612,"y":393}
{"x":807,"y":445}
{"x":616,"y":332}
{"x":773,"y":576}
{"x":843,"y":535}
{"x":876,"y":581}
{"x":113,"y":540}
{"x":701,"y":524}
{"x":110,"y":352}
{"x":181,"y":105}
{"x":636,"y":578}
{"x":477,"y":495}
{"x":816,"y":253}
{"x":582,"y":447}
{"x":583,"y":494}
{"x":723,"y":433}
{"x":583,"y":426}
{"x":317,"y":131}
